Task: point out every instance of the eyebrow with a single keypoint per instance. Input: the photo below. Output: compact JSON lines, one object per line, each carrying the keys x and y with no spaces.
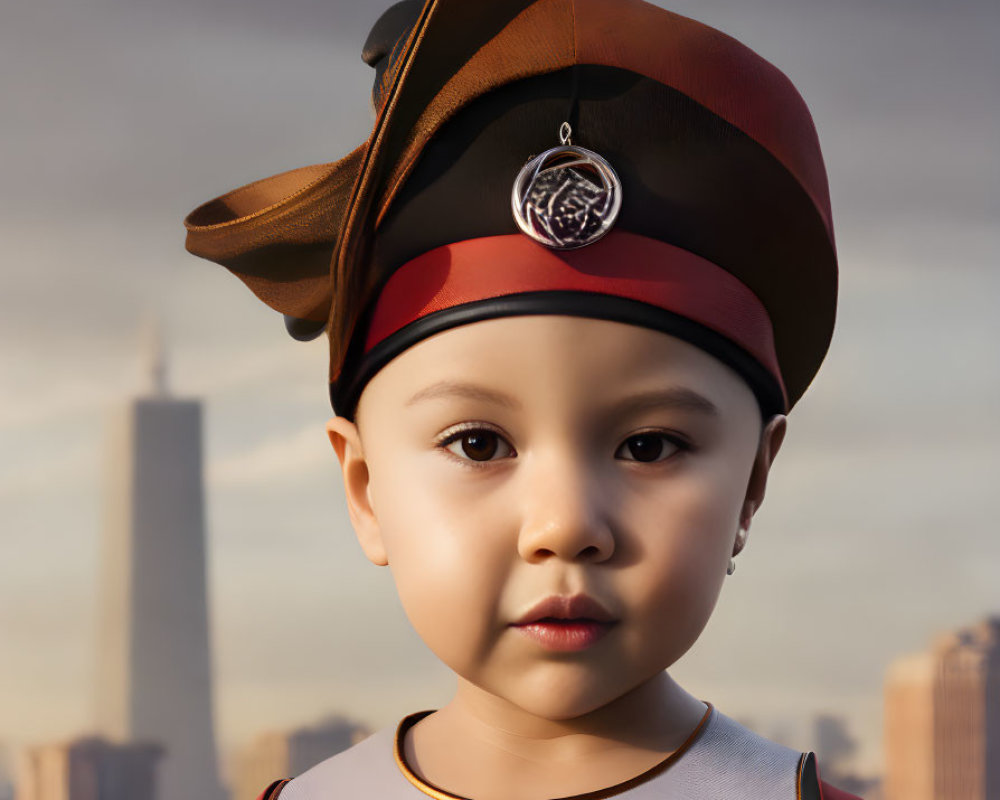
{"x":679,"y":398}
{"x":471,"y":391}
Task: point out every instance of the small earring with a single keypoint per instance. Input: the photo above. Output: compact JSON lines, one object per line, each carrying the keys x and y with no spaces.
{"x":732,"y":563}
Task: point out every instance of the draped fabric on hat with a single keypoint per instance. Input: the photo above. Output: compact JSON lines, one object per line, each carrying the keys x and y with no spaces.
{"x":724,"y":237}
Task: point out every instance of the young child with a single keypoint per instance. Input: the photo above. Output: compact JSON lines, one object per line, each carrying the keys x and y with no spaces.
{"x":572,"y":284}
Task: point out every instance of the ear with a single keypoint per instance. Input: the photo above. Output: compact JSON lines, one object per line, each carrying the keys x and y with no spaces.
{"x":771,"y":438}
{"x":357,"y":487}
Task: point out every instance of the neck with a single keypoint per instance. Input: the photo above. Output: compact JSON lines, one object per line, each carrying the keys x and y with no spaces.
{"x":654,"y":716}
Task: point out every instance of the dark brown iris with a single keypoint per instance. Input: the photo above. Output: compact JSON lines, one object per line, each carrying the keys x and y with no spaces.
{"x":480,"y":445}
{"x":645,"y":448}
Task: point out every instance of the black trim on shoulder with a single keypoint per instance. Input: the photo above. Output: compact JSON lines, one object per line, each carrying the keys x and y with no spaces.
{"x":272,"y":791}
{"x":809,"y":788}
{"x":344,"y":394}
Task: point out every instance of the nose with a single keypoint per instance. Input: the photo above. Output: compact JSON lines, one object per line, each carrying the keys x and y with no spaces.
{"x":564,"y":516}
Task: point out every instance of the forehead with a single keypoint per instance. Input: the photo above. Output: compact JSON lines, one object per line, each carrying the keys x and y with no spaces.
{"x":553,"y":361}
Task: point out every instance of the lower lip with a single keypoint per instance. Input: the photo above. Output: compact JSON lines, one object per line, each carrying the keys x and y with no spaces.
{"x":566,"y":636}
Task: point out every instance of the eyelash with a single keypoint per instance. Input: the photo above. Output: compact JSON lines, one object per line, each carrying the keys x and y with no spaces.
{"x":455,"y":434}
{"x":450,"y":437}
{"x":681,"y":443}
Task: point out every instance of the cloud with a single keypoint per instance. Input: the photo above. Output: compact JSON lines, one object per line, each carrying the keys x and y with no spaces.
{"x":276,"y":459}
{"x":43,"y":476}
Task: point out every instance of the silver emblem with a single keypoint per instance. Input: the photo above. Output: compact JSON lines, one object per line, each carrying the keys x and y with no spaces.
{"x":567,"y":197}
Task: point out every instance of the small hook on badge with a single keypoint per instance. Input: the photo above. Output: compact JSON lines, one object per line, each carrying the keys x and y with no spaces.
{"x":566,"y":134}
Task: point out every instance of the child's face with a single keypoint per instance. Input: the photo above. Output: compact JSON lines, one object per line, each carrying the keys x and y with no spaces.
{"x":508,"y":461}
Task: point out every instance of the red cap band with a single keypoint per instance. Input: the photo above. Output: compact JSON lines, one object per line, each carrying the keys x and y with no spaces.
{"x":622,"y":264}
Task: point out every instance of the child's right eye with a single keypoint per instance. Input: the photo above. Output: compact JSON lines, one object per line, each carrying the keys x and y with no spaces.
{"x":477,"y":444}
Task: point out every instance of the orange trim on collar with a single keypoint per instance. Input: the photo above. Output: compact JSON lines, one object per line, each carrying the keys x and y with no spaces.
{"x":441,"y":794}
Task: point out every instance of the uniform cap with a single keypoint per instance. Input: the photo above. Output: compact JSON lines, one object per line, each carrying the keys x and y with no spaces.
{"x":724,"y":235}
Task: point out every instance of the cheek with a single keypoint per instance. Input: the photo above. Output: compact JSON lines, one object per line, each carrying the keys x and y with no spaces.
{"x":449,"y":559}
{"x":681,"y":552}
{"x":681,"y":602}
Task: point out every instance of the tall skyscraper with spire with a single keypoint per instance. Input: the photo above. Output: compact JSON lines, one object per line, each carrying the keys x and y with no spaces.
{"x":154,"y":673}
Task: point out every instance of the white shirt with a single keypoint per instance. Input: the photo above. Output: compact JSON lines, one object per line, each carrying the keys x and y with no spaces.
{"x":722,"y":760}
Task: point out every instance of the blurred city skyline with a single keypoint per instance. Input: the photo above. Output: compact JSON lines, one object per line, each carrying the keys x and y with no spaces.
{"x":877,"y":530}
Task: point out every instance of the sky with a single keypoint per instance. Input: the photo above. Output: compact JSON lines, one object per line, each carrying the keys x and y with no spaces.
{"x":119,"y":118}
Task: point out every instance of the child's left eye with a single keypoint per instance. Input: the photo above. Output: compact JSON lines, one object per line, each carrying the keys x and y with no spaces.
{"x":649,"y":447}
{"x":479,"y":444}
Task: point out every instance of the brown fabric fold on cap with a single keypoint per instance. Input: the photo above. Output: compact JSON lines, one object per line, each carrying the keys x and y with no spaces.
{"x":277,"y":234}
{"x":537,"y":41}
{"x":416,"y":82}
{"x":297,"y":239}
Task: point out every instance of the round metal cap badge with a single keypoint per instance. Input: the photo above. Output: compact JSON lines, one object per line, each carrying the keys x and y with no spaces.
{"x":567,"y":197}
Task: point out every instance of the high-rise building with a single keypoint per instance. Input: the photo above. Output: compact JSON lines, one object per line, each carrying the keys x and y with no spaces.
{"x":942,"y":719}
{"x":154,"y":674}
{"x":284,"y":755}
{"x":90,"y":769}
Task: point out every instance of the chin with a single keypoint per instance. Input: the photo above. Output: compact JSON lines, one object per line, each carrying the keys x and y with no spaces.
{"x":557,"y":696}
{"x":559,"y":709}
